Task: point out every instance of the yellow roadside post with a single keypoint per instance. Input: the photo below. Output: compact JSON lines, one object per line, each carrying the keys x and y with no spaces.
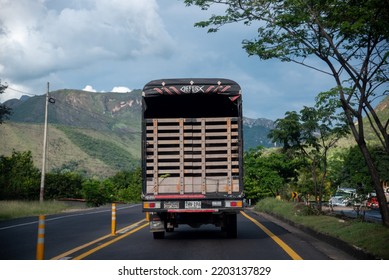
{"x":40,"y":246}
{"x":113,"y":224}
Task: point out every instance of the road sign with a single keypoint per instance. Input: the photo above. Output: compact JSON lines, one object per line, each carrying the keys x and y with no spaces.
{"x":294,"y":194}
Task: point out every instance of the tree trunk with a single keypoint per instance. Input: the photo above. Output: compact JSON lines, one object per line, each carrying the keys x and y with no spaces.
{"x":360,"y":139}
{"x":377,"y":184}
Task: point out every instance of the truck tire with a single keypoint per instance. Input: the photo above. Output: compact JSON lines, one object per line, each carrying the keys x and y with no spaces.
{"x":159,"y":235}
{"x":232,"y":227}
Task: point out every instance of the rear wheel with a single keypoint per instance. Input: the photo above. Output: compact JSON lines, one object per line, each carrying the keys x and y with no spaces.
{"x":159,"y":235}
{"x":231,"y":226}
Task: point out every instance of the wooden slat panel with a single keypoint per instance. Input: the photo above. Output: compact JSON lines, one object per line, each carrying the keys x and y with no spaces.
{"x":189,"y":147}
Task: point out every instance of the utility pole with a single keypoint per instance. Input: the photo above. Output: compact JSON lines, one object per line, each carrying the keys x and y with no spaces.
{"x":42,"y":189}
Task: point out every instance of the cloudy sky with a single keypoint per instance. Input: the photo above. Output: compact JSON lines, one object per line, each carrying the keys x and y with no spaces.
{"x":117,"y":45}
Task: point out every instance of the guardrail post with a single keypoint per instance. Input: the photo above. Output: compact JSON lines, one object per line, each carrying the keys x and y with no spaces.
{"x":113,"y":224}
{"x":40,"y":246}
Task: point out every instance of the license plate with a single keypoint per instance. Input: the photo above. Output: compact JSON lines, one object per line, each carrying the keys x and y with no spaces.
{"x":192,"y":204}
{"x":171,"y":205}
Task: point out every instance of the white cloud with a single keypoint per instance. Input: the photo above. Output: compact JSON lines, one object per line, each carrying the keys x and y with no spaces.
{"x":89,"y":88}
{"x":121,"y":89}
{"x":37,"y":37}
{"x":14,"y":91}
{"x":105,"y":43}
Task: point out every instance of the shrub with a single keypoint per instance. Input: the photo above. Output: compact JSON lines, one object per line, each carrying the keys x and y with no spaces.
{"x":97,"y":193}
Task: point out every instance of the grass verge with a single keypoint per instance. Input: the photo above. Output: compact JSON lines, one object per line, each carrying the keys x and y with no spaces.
{"x":370,"y":237}
{"x":18,"y":209}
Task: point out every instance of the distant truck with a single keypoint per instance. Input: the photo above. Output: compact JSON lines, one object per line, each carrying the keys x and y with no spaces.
{"x":192,"y":154}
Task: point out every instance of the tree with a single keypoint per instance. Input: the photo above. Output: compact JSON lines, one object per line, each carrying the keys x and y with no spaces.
{"x":267,"y":174}
{"x":19,"y":178}
{"x":63,"y":185}
{"x":353,"y":171}
{"x":127,"y":185}
{"x":97,"y":193}
{"x":311,"y":134}
{"x":349,"y":36}
{"x":4,"y":110}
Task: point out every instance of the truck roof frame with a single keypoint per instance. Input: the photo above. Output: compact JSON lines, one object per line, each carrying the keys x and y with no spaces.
{"x":192,"y":86}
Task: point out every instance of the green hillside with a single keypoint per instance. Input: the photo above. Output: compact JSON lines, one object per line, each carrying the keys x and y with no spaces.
{"x":95,"y":133}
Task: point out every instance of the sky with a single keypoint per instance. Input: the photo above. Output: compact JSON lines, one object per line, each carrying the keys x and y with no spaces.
{"x":120,"y":45}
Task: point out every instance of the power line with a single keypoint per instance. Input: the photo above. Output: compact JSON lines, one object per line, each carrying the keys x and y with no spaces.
{"x":21,"y":91}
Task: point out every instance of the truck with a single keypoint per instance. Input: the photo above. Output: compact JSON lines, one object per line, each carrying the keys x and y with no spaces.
{"x":192,"y":154}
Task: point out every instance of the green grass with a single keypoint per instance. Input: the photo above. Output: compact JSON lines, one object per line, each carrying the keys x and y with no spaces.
{"x":371,"y":237}
{"x":17,"y":209}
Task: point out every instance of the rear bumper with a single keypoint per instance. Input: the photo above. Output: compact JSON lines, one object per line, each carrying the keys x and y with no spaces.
{"x":193,"y":206}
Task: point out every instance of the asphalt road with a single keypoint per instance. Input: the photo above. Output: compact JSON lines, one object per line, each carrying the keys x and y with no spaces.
{"x":87,"y":235}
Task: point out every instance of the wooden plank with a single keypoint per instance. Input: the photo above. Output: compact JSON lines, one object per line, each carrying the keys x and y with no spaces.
{"x":155,"y":153}
{"x":220,"y":126}
{"x":182,"y":181}
{"x":163,"y":173}
{"x":221,"y":134}
{"x":165,"y":128}
{"x":229,"y":156}
{"x":164,"y":150}
{"x":203,"y":158}
{"x":216,"y":163}
{"x":171,"y":164}
{"x":150,"y":136}
{"x":164,"y":120}
{"x":171,"y":156}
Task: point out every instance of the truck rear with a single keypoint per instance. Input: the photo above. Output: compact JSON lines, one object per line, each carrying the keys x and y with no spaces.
{"x":192,"y":154}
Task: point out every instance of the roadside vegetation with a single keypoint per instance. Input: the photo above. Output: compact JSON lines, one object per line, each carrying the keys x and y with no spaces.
{"x":370,"y":237}
{"x":18,"y":209}
{"x":20,"y":180}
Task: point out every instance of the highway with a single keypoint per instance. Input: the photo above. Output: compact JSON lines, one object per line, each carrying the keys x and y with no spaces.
{"x":87,"y":235}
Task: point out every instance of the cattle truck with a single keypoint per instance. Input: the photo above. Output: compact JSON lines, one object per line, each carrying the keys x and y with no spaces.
{"x":192,"y":154}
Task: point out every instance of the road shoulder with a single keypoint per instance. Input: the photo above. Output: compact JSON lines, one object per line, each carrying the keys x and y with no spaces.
{"x":332,"y":247}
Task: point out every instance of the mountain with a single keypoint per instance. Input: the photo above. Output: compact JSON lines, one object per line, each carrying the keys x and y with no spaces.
{"x":255,"y":132}
{"x":99,"y":133}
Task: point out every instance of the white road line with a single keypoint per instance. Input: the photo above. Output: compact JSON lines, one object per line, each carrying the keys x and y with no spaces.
{"x":69,"y":216}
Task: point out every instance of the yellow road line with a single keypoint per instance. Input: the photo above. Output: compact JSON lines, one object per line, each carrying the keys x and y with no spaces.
{"x":275,"y":238}
{"x":65,"y":254}
{"x":80,"y":257}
